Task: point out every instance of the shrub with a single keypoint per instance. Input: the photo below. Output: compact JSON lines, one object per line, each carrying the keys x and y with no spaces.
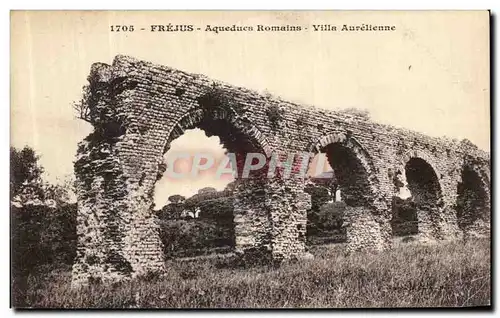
{"x":404,"y":217}
{"x":326,"y":225}
{"x":220,"y":210}
{"x":194,"y":237}
{"x":40,"y":235}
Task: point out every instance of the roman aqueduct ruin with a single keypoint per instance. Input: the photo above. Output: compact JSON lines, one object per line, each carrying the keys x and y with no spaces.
{"x":138,"y":108}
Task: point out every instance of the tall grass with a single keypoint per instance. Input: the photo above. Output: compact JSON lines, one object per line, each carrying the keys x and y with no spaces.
{"x":410,"y":275}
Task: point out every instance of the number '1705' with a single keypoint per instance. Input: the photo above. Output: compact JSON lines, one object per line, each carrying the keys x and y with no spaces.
{"x":122,"y":28}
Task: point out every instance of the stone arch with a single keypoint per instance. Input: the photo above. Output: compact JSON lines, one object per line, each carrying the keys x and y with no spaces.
{"x":430,"y":165}
{"x":426,"y":192}
{"x":235,"y":133}
{"x":416,"y":153}
{"x":199,"y":116}
{"x":365,"y":226}
{"x":481,"y":170}
{"x":348,"y":147}
{"x":251,"y":217}
{"x":423,"y":181}
{"x":473,"y":200}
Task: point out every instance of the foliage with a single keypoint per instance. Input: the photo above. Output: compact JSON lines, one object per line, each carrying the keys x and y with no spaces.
{"x":213,"y":229}
{"x":324,"y":219}
{"x":194,"y":237}
{"x":41,"y":233}
{"x":62,"y":193}
{"x":326,"y":225}
{"x":404,"y":217}
{"x":220,"y":209}
{"x":196,"y":199}
{"x":176,"y":198}
{"x":108,"y":122}
{"x":207,"y":190}
{"x":171,"y":211}
{"x":467,"y":144}
{"x":331,"y":215}
{"x":25,"y":173}
{"x":275,"y":115}
{"x":82,"y":107}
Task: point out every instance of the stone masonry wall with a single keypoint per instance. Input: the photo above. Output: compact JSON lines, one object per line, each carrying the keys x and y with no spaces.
{"x":138,"y":108}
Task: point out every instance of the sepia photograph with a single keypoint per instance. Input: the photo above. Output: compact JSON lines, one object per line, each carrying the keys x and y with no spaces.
{"x":250,"y":159}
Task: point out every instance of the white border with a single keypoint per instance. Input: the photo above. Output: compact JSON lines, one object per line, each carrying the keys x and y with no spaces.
{"x":494,"y":5}
{"x":252,"y":5}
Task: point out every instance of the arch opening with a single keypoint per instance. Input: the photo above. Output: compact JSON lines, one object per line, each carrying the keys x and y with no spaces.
{"x":472,"y":200}
{"x":198,"y":215}
{"x":350,"y":173}
{"x":339,"y":186}
{"x":422,"y":182}
{"x":326,"y":214}
{"x":422,"y":207}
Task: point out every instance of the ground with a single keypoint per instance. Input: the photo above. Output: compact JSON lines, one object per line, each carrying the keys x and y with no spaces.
{"x":410,"y":275}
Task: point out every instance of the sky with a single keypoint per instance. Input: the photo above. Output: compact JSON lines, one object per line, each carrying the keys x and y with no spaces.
{"x":430,"y":75}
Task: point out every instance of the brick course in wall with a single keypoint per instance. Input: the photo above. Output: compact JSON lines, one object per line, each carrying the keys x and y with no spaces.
{"x":138,"y":108}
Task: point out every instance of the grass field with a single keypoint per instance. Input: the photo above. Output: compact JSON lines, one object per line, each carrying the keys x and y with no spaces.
{"x":410,"y":275}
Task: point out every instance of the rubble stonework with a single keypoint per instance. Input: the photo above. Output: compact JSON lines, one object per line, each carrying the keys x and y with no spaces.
{"x":138,"y":108}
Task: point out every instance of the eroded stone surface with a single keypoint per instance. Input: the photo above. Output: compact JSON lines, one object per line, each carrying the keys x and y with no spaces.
{"x":138,"y":108}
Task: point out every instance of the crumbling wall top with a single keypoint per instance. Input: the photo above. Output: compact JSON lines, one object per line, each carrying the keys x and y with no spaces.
{"x":123,"y":65}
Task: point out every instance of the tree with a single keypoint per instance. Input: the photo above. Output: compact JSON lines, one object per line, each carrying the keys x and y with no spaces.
{"x":43,"y":221}
{"x":176,"y":198}
{"x":82,"y":107}
{"x":331,"y":216}
{"x":25,"y":174}
{"x":207,"y":190}
{"x":174,"y":209}
{"x":61,"y":194}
